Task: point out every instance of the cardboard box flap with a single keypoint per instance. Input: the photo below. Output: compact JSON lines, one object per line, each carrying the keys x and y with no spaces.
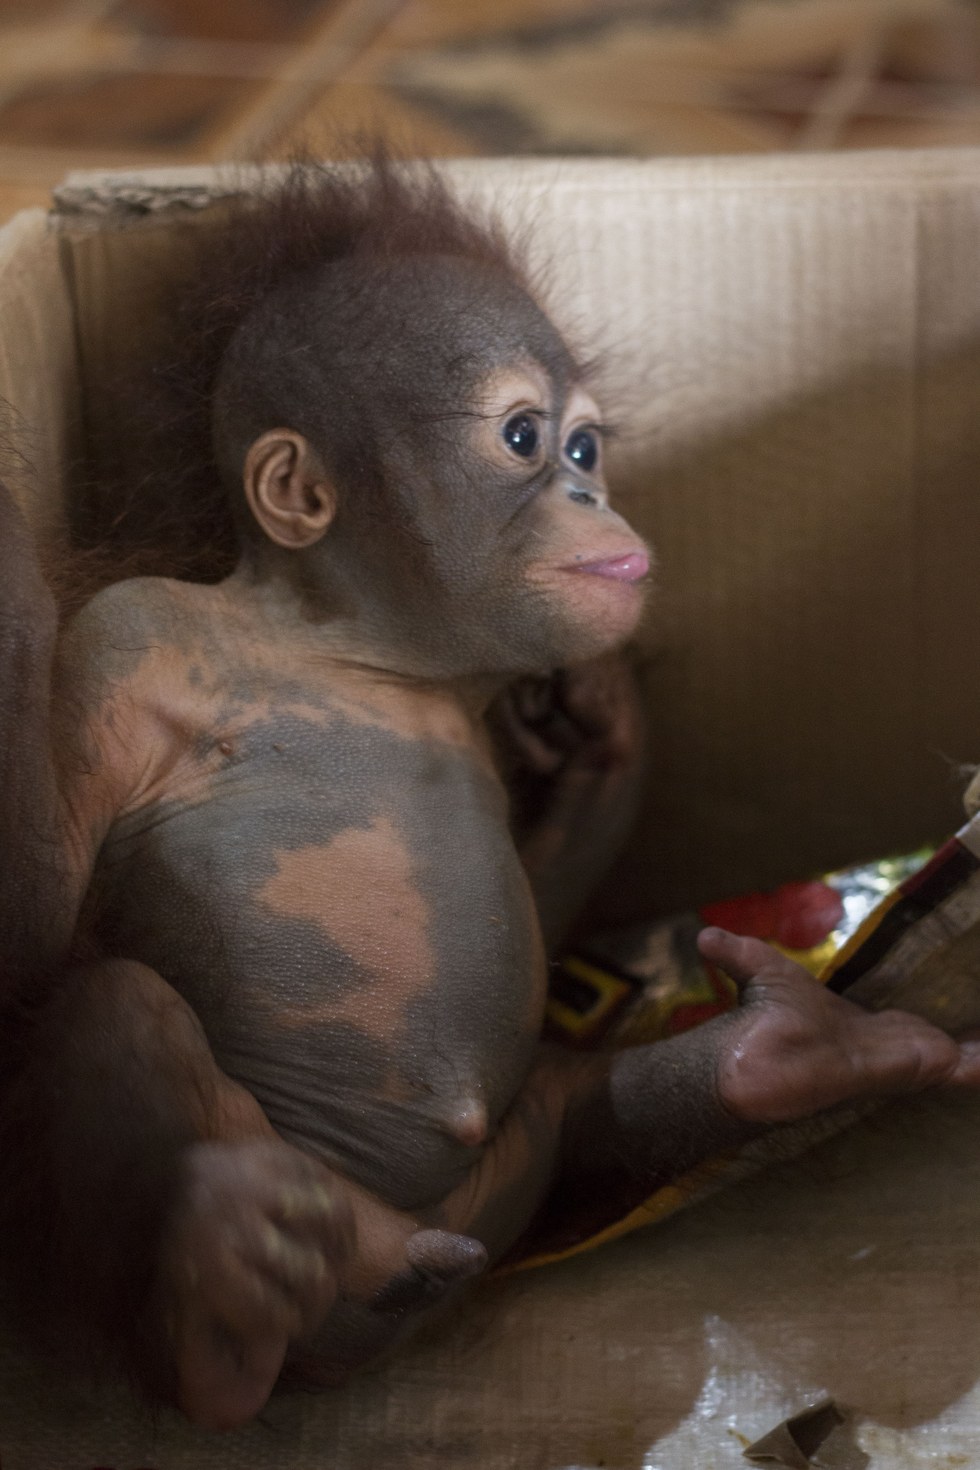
{"x":99,"y":197}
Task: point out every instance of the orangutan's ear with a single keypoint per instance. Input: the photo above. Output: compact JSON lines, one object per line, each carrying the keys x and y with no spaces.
{"x":287,"y":489}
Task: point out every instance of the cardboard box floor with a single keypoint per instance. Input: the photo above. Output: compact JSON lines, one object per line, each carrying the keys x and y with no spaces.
{"x":795,"y":345}
{"x":852,"y":1272}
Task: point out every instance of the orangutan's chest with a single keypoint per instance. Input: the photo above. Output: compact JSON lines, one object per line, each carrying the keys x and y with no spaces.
{"x":338,"y":891}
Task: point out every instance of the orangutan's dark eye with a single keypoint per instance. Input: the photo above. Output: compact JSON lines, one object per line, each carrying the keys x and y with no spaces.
{"x":521,"y":435}
{"x":582,"y":449}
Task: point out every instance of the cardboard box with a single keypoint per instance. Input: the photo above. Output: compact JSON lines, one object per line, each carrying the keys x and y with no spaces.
{"x":794,"y":349}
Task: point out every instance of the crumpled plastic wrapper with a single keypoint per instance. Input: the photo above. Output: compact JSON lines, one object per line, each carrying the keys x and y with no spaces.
{"x":903,"y":931}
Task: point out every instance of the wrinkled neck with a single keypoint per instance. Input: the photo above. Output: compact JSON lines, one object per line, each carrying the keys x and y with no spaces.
{"x":336,"y":618}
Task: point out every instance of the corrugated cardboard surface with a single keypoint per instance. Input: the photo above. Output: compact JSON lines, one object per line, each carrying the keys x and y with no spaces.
{"x":793,"y":348}
{"x":797,"y":343}
{"x":39,"y":377}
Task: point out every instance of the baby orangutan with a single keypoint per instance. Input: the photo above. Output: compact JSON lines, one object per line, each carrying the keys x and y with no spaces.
{"x":301,"y":1093}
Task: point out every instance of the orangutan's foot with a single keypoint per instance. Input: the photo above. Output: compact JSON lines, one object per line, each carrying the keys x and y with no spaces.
{"x":250,"y":1263}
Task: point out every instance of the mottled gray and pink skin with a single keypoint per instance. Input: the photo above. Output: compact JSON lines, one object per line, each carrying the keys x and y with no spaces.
{"x":278,"y":801}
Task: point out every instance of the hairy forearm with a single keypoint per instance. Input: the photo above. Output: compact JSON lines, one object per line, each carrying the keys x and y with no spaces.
{"x":648,"y":1112}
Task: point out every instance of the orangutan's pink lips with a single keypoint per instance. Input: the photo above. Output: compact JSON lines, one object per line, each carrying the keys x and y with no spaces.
{"x":629,"y":568}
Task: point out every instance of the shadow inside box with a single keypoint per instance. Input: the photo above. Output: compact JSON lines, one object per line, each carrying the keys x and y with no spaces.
{"x":865,"y":702}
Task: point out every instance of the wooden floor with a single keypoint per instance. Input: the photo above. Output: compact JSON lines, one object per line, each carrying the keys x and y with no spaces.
{"x":128,"y":82}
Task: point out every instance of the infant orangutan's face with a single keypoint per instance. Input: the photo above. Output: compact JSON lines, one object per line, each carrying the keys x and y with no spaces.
{"x":529,"y":547}
{"x":469,"y":512}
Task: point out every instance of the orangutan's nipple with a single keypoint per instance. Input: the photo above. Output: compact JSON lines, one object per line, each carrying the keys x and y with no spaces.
{"x":468,"y":1123}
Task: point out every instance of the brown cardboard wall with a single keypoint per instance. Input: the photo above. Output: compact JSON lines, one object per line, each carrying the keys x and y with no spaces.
{"x":39,"y":377}
{"x":804,"y":355}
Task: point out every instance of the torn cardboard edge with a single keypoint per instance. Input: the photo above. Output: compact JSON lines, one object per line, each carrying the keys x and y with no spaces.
{"x":103,"y":195}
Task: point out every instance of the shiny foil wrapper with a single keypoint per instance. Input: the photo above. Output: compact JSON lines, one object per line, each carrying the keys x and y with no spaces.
{"x":647,"y":981}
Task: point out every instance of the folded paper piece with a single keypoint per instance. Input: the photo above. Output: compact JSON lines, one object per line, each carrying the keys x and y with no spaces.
{"x":794,"y":1442}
